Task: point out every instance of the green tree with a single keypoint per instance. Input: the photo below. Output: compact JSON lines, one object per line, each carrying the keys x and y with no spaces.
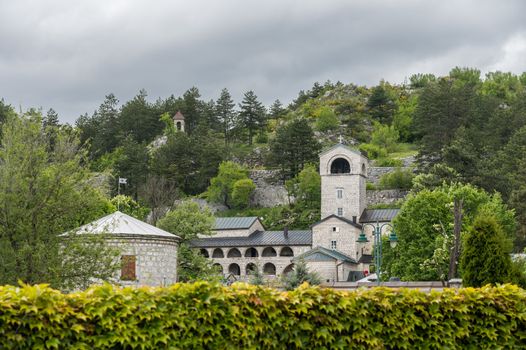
{"x":485,"y":257}
{"x":293,"y":147}
{"x":139,"y":119}
{"x":241,"y":192}
{"x":225,"y":113}
{"x":306,"y":188}
{"x":385,"y":137}
{"x":222,"y":186}
{"x":128,"y":206}
{"x":132,"y":164}
{"x":252,"y":114}
{"x":381,"y":104}
{"x":426,"y":218}
{"x":300,"y":274}
{"x":326,"y":119}
{"x":44,"y":193}
{"x":51,"y":119}
{"x":188,"y":221}
{"x":276,"y":110}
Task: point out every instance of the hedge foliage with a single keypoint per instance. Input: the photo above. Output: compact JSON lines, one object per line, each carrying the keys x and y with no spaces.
{"x":210,"y":316}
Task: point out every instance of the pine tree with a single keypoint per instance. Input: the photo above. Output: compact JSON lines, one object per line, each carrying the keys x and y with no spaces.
{"x":485,"y":258}
{"x":51,"y":119}
{"x":293,"y":147}
{"x":225,"y":113}
{"x":252,"y":114}
{"x":299,"y":275}
{"x":276,"y":110}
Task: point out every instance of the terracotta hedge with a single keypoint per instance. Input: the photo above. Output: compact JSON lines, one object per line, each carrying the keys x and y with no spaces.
{"x":208,"y":316}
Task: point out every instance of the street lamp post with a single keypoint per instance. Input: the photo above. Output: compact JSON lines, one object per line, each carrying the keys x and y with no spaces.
{"x":377,"y":236}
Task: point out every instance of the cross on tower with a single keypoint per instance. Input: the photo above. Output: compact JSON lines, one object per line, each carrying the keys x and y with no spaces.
{"x":341,"y":138}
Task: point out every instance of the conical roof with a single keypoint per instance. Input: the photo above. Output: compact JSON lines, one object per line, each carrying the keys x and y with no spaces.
{"x":178,"y":116}
{"x":121,"y":224}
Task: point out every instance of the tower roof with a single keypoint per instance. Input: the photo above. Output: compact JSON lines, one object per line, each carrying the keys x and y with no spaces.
{"x":338,"y":145}
{"x":178,"y":116}
{"x":121,"y":224}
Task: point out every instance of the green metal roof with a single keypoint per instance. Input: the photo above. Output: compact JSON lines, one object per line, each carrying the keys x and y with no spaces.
{"x":316,"y":252}
{"x":234,"y":223}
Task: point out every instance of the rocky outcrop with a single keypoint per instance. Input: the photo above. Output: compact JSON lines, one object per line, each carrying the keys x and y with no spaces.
{"x":374,"y":197}
{"x":270,"y":190}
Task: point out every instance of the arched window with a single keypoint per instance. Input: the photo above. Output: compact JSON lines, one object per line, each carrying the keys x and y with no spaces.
{"x":269,"y":269}
{"x":269,"y":251}
{"x":340,"y":166}
{"x":251,"y":253}
{"x":251,"y":268}
{"x":218,"y":253}
{"x":234,"y":253}
{"x":288,"y":269}
{"x":178,"y":126}
{"x":234,"y":269}
{"x":204,"y":253}
{"x":218,"y":268}
{"x":286,"y":251}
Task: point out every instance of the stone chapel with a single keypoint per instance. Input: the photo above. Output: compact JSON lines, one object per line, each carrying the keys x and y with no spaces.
{"x":330,"y":247}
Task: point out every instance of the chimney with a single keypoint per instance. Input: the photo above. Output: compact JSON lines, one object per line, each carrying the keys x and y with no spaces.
{"x":286,"y":232}
{"x":354,"y":219}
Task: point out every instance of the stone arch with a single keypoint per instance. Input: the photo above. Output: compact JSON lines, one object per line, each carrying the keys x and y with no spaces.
{"x":286,"y":251}
{"x":234,"y":269}
{"x":251,"y":253}
{"x":219,"y":268}
{"x":269,"y":269}
{"x":204,"y":253}
{"x":234,"y":253}
{"x":218,"y":253}
{"x":251,"y":268}
{"x":340,"y":166}
{"x":288,"y":269}
{"x":269,"y":251}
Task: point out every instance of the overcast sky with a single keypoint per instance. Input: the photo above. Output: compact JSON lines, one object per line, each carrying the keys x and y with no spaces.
{"x":69,"y":54}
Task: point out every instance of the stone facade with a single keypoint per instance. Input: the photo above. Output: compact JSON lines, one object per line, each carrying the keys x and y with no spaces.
{"x":343,"y":177}
{"x":156,"y":260}
{"x":334,"y":230}
{"x":265,"y":255}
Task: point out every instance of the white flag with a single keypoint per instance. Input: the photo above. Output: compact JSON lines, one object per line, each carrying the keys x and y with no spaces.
{"x":123,"y":180}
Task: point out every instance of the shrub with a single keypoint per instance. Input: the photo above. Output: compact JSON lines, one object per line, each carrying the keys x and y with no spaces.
{"x":327,"y":120}
{"x":386,"y":137}
{"x":241,"y":192}
{"x":299,"y":275}
{"x":388,"y":162}
{"x":209,"y":316}
{"x":373,"y":151}
{"x":398,"y":179}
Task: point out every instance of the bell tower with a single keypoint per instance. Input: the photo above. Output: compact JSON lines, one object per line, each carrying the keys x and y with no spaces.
{"x":343,"y":178}
{"x":179,"y":121}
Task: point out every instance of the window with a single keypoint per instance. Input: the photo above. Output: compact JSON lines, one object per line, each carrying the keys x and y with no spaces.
{"x":340,"y":211}
{"x":335,"y":229}
{"x":333,"y":245}
{"x":339,"y":193}
{"x":128,"y":268}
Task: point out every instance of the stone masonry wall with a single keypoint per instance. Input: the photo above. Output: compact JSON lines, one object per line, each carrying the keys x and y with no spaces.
{"x":374,"y":197}
{"x":156,"y":260}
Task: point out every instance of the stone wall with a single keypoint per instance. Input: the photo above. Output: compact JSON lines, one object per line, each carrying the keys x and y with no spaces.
{"x":374,"y":197}
{"x":334,"y":229}
{"x":156,"y":260}
{"x":270,"y":190}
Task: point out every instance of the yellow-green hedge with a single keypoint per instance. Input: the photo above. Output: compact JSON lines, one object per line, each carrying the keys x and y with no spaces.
{"x":201,"y":315}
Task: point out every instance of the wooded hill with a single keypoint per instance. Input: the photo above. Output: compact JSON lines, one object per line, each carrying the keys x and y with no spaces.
{"x":463,"y":128}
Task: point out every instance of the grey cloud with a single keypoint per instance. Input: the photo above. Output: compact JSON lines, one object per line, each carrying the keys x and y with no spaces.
{"x":68,"y":55}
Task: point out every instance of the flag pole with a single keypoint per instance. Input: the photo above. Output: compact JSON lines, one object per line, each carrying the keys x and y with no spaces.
{"x":118,"y":193}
